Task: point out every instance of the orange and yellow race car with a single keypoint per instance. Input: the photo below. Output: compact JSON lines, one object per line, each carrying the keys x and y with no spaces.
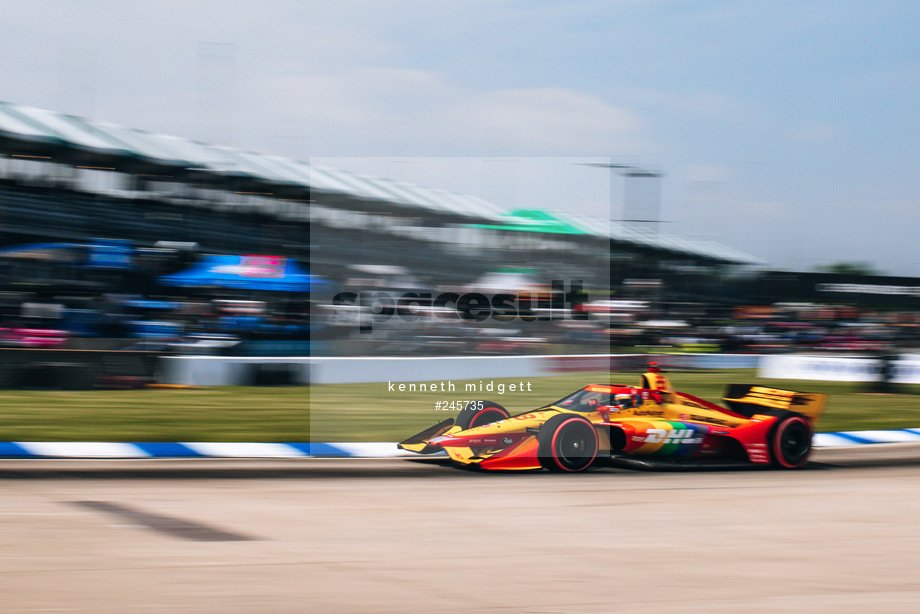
{"x":637,"y":425}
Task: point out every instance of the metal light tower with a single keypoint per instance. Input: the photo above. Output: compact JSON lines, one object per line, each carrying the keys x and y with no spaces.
{"x":641,"y":194}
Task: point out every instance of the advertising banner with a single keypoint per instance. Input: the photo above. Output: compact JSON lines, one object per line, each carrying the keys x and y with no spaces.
{"x":905,"y":369}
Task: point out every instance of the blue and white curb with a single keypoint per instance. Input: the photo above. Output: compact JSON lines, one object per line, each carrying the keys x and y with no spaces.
{"x":98,"y":449}
{"x":94,"y":449}
{"x":858,"y":438}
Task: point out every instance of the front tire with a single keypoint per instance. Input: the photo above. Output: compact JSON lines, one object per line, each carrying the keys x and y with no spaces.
{"x":479,"y":413}
{"x":567,"y":442}
{"x":790,"y":441}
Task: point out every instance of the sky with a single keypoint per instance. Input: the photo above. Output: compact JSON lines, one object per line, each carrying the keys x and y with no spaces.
{"x":790,"y":130}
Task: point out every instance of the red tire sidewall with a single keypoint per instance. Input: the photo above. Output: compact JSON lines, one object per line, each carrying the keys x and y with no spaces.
{"x":559,"y":428}
{"x":473,"y":421}
{"x":777,"y":437}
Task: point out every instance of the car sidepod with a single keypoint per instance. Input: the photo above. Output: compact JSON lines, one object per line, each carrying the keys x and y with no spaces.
{"x":662,"y":438}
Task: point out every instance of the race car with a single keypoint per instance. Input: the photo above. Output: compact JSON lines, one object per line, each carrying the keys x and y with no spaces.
{"x":643,"y":426}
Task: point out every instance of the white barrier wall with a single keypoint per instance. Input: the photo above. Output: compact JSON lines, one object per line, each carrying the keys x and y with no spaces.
{"x":905,"y":370}
{"x":230,"y":371}
{"x":244,"y":371}
{"x":410,"y":369}
{"x":710,"y":361}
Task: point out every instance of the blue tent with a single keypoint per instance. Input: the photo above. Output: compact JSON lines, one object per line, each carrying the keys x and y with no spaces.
{"x":248,"y":273}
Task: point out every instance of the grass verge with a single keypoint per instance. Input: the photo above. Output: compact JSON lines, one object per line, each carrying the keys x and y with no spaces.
{"x":368,"y":412}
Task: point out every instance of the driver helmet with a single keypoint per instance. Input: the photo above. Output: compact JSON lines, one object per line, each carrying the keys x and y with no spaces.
{"x":623,"y":400}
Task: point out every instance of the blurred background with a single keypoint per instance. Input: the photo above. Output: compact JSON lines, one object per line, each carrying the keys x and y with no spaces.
{"x":140,"y":245}
{"x":631,"y":185}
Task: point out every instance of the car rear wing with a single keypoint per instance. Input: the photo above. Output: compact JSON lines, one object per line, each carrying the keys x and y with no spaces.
{"x":747,"y":400}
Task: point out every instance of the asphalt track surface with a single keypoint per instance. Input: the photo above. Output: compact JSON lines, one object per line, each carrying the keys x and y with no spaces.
{"x":350,"y":535}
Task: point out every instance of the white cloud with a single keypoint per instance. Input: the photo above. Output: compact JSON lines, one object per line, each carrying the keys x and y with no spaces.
{"x":817,"y":133}
{"x":707,"y":104}
{"x":543,"y":121}
{"x":706,"y":173}
{"x":768,"y":211}
{"x":399,"y":111}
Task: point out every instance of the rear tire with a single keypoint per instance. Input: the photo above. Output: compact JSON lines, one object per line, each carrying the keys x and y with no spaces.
{"x":790,"y":441}
{"x":567,"y":442}
{"x":479,"y":413}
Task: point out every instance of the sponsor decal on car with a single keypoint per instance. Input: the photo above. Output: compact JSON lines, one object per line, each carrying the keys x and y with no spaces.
{"x":710,"y":419}
{"x":665,"y":436}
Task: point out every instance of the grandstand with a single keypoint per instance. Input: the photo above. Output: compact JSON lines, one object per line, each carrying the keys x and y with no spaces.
{"x":67,"y":178}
